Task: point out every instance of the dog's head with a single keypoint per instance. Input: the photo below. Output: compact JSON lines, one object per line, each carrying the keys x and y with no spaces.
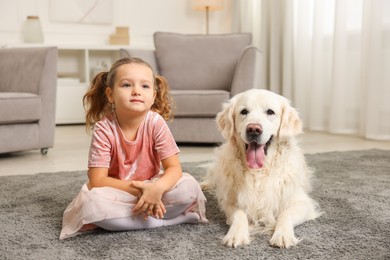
{"x":255,"y":119}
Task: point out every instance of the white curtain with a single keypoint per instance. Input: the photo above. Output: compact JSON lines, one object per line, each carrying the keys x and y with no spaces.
{"x":331,"y":58}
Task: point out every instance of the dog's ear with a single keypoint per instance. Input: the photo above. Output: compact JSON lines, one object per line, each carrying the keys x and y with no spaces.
{"x":225,"y":119}
{"x":290,"y":124}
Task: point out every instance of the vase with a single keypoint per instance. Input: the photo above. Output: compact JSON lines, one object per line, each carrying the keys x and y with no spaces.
{"x":33,"y":30}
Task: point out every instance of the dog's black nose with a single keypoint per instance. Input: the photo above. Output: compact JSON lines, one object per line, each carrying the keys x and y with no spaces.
{"x":254,"y":130}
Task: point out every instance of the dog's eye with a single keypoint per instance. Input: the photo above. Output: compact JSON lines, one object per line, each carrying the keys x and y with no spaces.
{"x":244,"y":111}
{"x":270,"y":112}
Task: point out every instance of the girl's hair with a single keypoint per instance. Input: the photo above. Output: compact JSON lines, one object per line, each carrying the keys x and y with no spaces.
{"x":96,"y":103}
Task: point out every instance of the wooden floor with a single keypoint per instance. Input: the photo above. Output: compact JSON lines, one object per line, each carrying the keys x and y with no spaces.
{"x":70,"y":151}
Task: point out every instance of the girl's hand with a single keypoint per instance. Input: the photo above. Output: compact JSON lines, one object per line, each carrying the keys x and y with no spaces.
{"x":150,"y":203}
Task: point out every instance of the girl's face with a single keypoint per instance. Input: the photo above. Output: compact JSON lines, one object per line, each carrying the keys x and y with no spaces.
{"x":133,"y":93}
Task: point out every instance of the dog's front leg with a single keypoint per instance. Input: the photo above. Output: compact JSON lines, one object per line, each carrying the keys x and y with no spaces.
{"x":238,"y":233}
{"x":283,"y":235}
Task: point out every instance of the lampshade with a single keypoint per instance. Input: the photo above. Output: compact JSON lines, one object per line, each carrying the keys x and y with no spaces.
{"x":211,"y":5}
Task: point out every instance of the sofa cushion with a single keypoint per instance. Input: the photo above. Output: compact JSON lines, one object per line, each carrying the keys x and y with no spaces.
{"x":199,"y":61}
{"x":19,"y":107}
{"x":198,"y":103}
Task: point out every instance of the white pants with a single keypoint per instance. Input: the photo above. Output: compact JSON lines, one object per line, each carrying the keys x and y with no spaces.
{"x":174,"y":215}
{"x":111,"y":208}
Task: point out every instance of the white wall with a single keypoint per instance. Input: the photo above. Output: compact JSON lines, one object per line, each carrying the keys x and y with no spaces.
{"x":144,"y":17}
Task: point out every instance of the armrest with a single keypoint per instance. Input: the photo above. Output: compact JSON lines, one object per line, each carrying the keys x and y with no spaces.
{"x":248,"y":71}
{"x":47,"y":90}
{"x":147,"y":55}
{"x":28,"y":63}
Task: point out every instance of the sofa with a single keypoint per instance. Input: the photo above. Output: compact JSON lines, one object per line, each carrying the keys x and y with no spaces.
{"x":203,"y":71}
{"x":28,"y":83}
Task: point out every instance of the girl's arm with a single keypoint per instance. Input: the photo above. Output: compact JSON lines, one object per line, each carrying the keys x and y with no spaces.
{"x":98,"y":177}
{"x":150,"y":202}
{"x":172,"y":173}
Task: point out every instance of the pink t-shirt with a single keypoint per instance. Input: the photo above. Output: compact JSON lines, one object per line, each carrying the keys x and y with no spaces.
{"x":136,"y":160}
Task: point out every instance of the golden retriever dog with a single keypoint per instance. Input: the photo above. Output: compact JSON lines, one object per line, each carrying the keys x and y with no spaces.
{"x":260,"y":177}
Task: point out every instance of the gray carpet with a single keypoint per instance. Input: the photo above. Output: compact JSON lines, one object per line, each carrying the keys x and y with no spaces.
{"x":353,"y":188}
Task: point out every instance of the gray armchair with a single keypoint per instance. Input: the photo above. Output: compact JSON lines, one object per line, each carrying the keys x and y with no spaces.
{"x":28,"y":83}
{"x":203,"y":71}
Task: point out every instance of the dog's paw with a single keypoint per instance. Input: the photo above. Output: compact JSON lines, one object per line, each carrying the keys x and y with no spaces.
{"x":284,"y":239}
{"x":236,"y":237}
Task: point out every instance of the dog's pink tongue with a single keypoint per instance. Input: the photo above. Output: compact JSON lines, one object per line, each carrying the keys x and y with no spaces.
{"x":255,"y":155}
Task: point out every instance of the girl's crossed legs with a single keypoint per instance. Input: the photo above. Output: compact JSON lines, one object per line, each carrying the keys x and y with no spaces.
{"x":177,"y":202}
{"x":138,"y":221}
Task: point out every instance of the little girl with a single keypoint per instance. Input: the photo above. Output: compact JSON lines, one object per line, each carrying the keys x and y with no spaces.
{"x":127,"y":189}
